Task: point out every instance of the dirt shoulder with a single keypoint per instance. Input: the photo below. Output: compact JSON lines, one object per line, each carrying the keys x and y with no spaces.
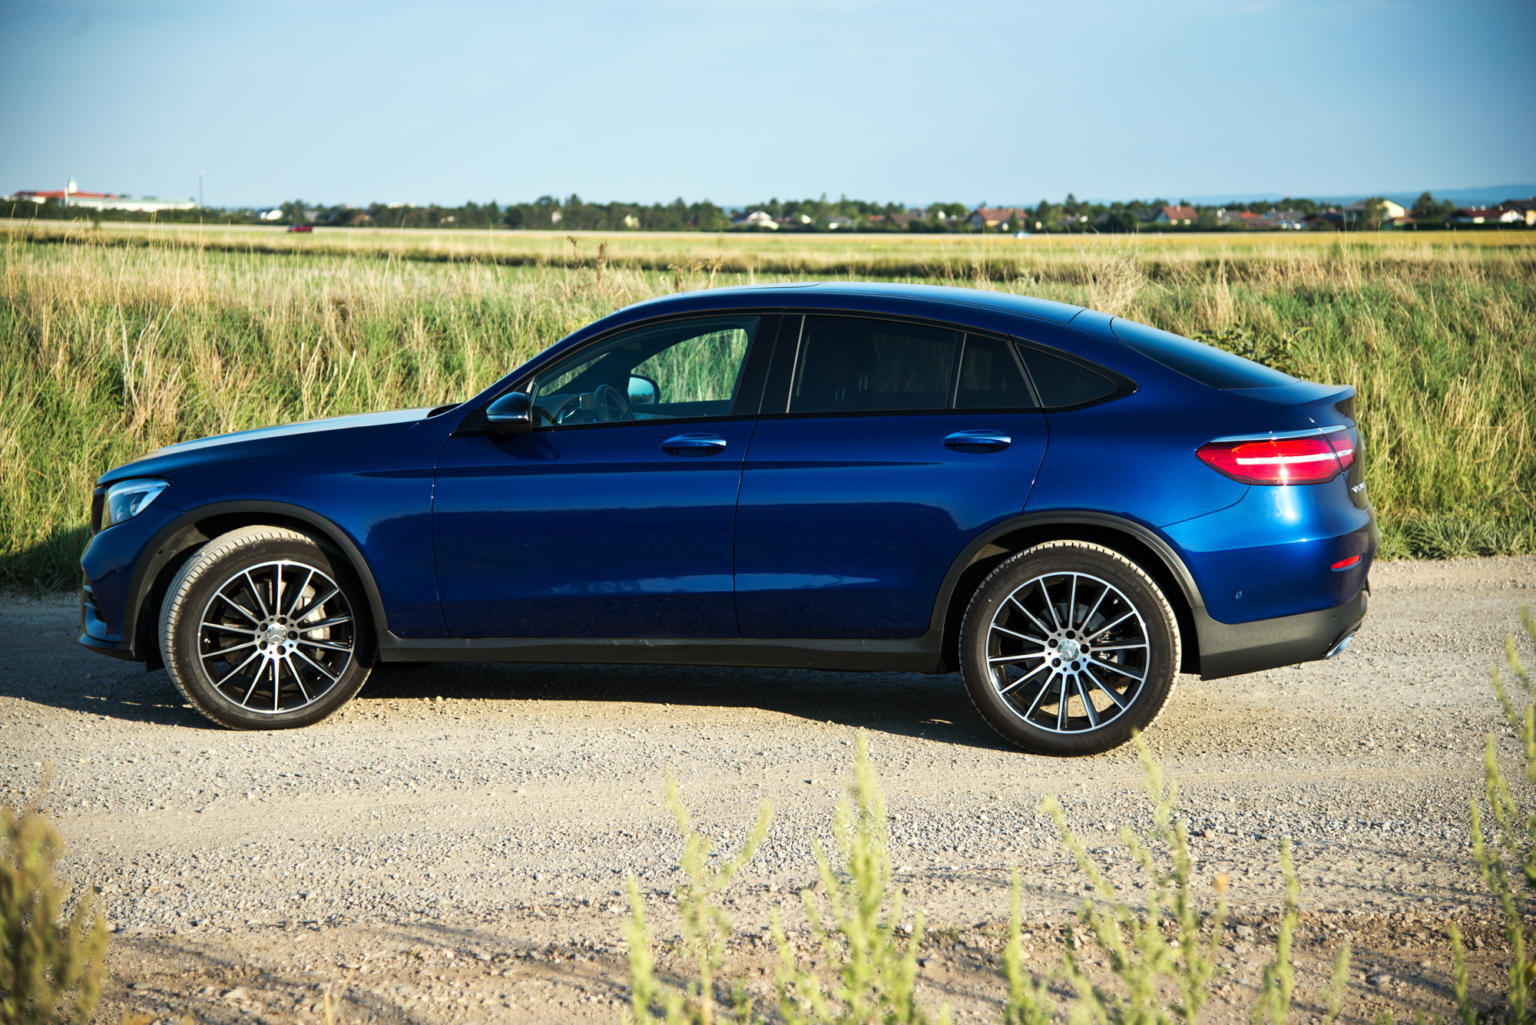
{"x":454,"y":845}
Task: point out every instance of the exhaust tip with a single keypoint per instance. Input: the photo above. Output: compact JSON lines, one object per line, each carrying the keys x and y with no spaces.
{"x":1341,"y":644}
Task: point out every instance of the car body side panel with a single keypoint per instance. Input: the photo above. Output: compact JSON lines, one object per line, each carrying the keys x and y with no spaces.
{"x":1134,"y":457}
{"x":588,"y":532}
{"x":847,"y":525}
{"x":372,"y":483}
{"x":1271,"y":554}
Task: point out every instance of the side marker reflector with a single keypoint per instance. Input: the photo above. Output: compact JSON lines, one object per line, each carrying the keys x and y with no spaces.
{"x":1346,"y":563}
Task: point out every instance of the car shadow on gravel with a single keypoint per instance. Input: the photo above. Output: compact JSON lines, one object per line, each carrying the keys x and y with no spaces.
{"x":907,"y":704}
{"x":187,"y":980}
{"x":413,"y":971}
{"x":114,"y":690}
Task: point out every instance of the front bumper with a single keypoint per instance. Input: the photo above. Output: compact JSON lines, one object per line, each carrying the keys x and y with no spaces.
{"x":93,"y":629}
{"x":1227,"y":649}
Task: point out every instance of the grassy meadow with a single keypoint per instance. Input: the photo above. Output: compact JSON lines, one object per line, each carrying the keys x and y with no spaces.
{"x":118,"y":339}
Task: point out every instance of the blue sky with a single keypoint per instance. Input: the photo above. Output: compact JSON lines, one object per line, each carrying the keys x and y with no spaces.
{"x":736,"y":101}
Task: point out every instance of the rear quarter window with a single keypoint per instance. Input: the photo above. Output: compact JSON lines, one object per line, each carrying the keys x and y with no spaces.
{"x":1204,"y":363}
{"x":1063,"y":383}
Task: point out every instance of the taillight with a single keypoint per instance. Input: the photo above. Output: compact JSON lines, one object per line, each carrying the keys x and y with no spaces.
{"x":1343,"y":443}
{"x":1308,"y":459}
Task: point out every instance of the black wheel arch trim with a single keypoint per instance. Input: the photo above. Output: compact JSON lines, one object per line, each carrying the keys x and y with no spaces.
{"x":182,"y":534}
{"x":1059,"y":525}
{"x":1066,"y":518}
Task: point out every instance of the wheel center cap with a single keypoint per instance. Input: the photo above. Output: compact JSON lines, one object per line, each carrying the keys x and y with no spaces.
{"x":275,"y":634}
{"x":1068,"y":648}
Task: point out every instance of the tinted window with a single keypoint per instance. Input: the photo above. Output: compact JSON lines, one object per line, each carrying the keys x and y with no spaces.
{"x":1061,"y":382}
{"x":851,"y":365}
{"x":990,"y":377}
{"x":1204,"y":363}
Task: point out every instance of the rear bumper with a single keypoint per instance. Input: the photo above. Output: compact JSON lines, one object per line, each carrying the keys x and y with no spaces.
{"x":1227,"y":649}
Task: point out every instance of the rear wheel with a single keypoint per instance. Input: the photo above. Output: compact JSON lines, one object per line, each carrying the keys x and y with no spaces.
{"x":1068,"y":647}
{"x":263,"y":629}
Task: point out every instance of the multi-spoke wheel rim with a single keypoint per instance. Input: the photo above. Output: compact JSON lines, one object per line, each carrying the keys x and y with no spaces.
{"x":276,"y":637}
{"x":1068,"y":652}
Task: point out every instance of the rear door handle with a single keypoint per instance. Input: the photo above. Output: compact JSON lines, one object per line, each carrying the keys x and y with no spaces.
{"x":982,"y":440}
{"x":693,"y":445}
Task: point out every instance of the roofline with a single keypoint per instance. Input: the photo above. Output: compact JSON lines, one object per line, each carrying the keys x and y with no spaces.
{"x":967,"y":307}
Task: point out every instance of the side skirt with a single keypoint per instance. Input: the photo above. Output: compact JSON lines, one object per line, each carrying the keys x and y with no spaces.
{"x":915,"y":655}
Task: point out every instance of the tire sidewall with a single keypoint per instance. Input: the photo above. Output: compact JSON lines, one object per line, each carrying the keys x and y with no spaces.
{"x":1069,"y":557}
{"x":195,"y":586}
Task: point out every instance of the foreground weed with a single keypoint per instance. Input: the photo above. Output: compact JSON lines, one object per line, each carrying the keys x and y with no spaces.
{"x":705,"y":930}
{"x":51,"y":968}
{"x":1165,"y":946}
{"x":1169,"y":946}
{"x":1029,"y":999}
{"x":858,"y":930}
{"x":1506,"y":858}
{"x":1279,"y":981}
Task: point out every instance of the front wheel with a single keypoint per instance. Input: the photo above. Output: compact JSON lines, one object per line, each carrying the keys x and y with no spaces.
{"x":263,"y":629}
{"x":1068,"y":648}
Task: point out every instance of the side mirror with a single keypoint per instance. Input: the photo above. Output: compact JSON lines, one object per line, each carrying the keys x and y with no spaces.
{"x":643,"y":391}
{"x":510,"y":415}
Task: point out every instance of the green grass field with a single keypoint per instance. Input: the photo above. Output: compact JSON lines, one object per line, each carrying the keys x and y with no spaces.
{"x":118,"y":339}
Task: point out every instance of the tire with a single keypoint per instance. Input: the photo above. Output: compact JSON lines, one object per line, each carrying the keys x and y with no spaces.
{"x":233,"y":633}
{"x":1028,"y":669}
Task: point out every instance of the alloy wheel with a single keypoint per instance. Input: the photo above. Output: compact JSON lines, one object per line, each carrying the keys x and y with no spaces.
{"x":1068,"y":652}
{"x":276,"y":637}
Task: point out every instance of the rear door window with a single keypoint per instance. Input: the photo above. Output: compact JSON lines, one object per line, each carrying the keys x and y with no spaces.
{"x":863,"y":365}
{"x":990,"y":377}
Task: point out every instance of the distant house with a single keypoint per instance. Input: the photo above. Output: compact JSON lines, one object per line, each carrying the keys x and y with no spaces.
{"x":1176,"y":215}
{"x":1243,"y":219}
{"x":1389,"y":210}
{"x":1526,"y":208}
{"x":758,"y":220}
{"x":1286,"y":219}
{"x":1488,"y":215}
{"x":70,"y":195}
{"x":994,"y":218}
{"x":837,"y":222}
{"x":904,"y":219}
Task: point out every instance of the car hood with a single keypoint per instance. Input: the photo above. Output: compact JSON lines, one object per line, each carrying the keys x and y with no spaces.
{"x":263,"y":440}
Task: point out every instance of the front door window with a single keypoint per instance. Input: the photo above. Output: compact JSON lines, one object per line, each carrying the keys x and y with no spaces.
{"x":683,"y":370}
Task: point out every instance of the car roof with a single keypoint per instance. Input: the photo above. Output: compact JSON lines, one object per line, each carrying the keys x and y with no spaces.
{"x":938,"y":300}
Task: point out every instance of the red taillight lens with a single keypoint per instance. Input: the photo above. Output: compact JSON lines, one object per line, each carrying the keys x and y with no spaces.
{"x":1343,"y":443}
{"x":1307,"y":460}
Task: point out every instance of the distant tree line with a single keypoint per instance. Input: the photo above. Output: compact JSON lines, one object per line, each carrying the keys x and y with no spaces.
{"x":573,"y":213}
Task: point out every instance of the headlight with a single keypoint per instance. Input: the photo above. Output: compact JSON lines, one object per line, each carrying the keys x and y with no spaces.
{"x":127,"y":499}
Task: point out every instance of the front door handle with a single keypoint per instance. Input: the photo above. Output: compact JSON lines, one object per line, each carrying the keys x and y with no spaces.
{"x":693,"y":445}
{"x":982,"y":440}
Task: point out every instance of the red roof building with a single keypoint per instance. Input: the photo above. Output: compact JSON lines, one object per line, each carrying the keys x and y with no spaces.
{"x":1175,"y":215}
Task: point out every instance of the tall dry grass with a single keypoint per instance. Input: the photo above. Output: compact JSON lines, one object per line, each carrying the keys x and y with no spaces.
{"x":115,"y":342}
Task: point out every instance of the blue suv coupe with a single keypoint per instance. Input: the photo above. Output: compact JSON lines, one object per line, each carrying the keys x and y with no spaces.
{"x":1067,"y":507}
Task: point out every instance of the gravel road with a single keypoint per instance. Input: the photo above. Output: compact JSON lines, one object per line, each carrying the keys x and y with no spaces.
{"x":454,"y":844}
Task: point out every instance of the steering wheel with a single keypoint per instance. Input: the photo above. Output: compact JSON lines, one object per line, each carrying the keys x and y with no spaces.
{"x":559,"y":412}
{"x":610,"y":404}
